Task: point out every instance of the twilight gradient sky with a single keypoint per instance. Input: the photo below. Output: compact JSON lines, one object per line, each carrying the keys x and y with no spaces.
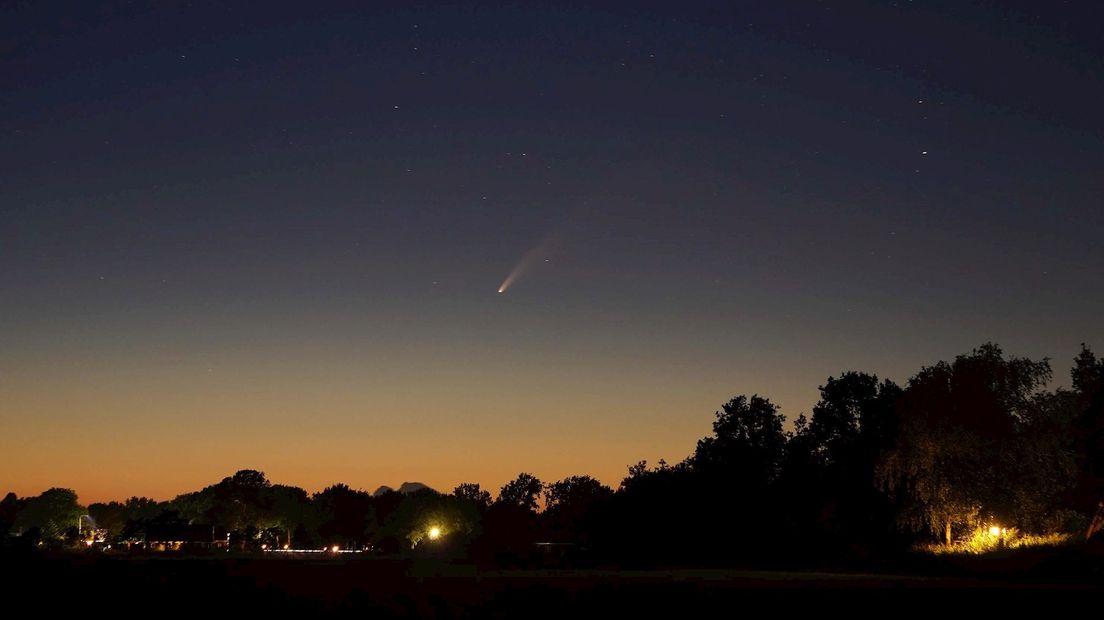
{"x":233,"y":237}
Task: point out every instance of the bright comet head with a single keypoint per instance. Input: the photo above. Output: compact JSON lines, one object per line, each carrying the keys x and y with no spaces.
{"x":531,"y":258}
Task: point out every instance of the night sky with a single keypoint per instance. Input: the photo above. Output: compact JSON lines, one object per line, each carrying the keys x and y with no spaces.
{"x":272,"y":236}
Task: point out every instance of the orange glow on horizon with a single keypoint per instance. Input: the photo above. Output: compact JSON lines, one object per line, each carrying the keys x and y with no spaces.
{"x":173,"y":421}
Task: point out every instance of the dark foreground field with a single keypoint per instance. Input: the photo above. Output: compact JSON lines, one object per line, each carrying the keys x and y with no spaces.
{"x":199,"y":587}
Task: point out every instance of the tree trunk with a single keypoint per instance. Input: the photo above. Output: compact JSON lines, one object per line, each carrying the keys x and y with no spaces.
{"x":947,"y":533}
{"x":1097,"y":522}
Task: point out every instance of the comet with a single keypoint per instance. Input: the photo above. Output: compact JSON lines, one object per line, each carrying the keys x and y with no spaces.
{"x":535,"y":255}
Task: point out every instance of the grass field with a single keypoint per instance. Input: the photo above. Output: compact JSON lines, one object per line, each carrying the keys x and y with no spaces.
{"x":396,"y":588}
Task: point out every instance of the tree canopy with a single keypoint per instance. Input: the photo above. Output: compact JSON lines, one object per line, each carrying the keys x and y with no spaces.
{"x":978,"y":441}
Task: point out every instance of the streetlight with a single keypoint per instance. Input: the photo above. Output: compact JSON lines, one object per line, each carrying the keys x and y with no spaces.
{"x":434,"y":533}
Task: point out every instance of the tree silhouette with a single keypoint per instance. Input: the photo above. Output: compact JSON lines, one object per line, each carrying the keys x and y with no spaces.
{"x":1088,"y":433}
{"x":455,"y":519}
{"x":9,"y":508}
{"x":346,"y":516}
{"x":471,"y":492}
{"x":510,"y":525}
{"x":52,"y":513}
{"x":661,"y":505}
{"x":241,"y":502}
{"x":574,"y":491}
{"x":120,"y":517}
{"x":828,"y":476}
{"x":953,"y":462}
{"x":291,"y":509}
{"x":874,"y":467}
{"x":571,"y":506}
{"x":747,"y":441}
{"x":522,"y":492}
{"x":855,"y":414}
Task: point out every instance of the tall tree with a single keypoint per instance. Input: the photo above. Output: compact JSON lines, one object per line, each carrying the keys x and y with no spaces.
{"x":854,"y":416}
{"x":346,"y":515}
{"x":471,"y":492}
{"x":240,"y":502}
{"x":291,"y":508}
{"x":571,"y":504}
{"x":432,"y":521}
{"x":522,"y":492}
{"x":53,"y":513}
{"x":830,"y":493}
{"x":747,"y":443}
{"x":953,"y":463}
{"x":511,"y":523}
{"x":1088,"y":388}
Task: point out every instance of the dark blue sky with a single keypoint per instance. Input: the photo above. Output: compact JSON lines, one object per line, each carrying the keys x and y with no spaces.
{"x":294,"y":218}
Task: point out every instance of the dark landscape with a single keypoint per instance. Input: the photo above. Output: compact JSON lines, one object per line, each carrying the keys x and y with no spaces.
{"x":427,"y":589}
{"x":859,"y":498}
{"x":527,"y":309}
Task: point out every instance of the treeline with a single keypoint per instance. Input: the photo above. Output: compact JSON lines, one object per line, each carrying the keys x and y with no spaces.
{"x":978,"y":444}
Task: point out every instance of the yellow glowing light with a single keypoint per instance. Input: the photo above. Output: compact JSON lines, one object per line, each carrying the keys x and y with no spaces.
{"x":334,"y":548}
{"x":434,"y":533}
{"x":264,"y":546}
{"x":285,"y":546}
{"x":994,"y":531}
